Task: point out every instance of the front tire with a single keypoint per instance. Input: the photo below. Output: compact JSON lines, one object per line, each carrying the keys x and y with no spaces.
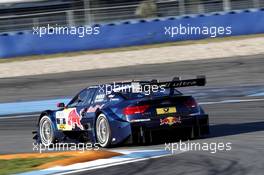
{"x":103,"y":131}
{"x":46,"y":131}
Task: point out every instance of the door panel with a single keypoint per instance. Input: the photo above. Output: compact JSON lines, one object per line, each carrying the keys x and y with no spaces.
{"x":72,"y":118}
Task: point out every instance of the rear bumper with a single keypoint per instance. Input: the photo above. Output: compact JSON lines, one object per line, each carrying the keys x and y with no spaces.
{"x":186,"y":121}
{"x":192,"y":126}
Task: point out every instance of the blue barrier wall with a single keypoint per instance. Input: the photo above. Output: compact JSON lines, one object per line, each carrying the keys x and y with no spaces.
{"x":129,"y":34}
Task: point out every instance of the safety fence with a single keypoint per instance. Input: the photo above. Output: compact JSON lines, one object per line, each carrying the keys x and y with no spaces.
{"x":130,"y":33}
{"x":87,"y":12}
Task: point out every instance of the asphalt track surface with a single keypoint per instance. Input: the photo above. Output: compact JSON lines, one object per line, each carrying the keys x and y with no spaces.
{"x":240,"y":123}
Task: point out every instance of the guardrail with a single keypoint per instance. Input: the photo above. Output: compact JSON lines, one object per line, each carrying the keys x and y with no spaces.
{"x":131,"y":33}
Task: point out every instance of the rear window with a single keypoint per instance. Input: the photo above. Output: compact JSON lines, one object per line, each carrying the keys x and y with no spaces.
{"x":159,"y":93}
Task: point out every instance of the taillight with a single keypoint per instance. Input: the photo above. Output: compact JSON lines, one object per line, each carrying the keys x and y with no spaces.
{"x":135,"y":109}
{"x":191,"y":103}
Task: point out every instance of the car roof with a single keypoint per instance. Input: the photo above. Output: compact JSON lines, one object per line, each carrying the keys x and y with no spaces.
{"x":117,"y":83}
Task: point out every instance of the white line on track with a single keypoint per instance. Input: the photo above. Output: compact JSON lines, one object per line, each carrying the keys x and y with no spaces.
{"x":19,"y":116}
{"x":112,"y":164}
{"x":202,"y":103}
{"x":232,"y":101}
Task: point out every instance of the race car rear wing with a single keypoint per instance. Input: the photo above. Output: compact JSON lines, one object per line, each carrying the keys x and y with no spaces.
{"x":177,"y":82}
{"x":139,"y":86}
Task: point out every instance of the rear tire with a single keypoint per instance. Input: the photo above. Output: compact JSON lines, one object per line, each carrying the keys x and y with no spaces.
{"x":46,"y":131}
{"x":103,"y":131}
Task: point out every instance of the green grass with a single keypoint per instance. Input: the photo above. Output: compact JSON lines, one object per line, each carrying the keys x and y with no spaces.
{"x":22,"y":165}
{"x":179,"y":43}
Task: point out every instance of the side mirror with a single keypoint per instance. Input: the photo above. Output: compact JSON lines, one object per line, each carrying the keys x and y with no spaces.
{"x":60,"y":105}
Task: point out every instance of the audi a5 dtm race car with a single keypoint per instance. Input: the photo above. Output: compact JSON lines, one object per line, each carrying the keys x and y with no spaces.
{"x":125,"y":112}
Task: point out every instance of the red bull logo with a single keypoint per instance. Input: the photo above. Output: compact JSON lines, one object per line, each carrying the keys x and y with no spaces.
{"x":94,"y":108}
{"x":170,"y":120}
{"x":74,"y":119}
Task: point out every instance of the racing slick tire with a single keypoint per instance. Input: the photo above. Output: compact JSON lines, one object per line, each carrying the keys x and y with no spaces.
{"x":46,"y":131}
{"x":103,"y":131}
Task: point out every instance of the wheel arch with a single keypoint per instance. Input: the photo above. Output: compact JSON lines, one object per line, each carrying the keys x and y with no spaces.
{"x":115,"y":124}
{"x":98,"y":112}
{"x":48,"y":113}
{"x":45,"y":113}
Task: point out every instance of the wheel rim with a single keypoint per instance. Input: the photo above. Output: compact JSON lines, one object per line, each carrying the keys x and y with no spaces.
{"x":46,"y":132}
{"x":102,"y":130}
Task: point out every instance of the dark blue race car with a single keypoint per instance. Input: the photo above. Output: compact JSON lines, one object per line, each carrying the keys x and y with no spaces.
{"x":125,"y":112}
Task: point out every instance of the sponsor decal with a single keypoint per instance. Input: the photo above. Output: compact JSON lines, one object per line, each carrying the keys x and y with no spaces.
{"x":74,"y":119}
{"x":170,"y":120}
{"x":166,"y":110}
{"x":62,"y":126}
{"x":69,"y":119}
{"x":94,"y":108}
{"x":99,"y":98}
